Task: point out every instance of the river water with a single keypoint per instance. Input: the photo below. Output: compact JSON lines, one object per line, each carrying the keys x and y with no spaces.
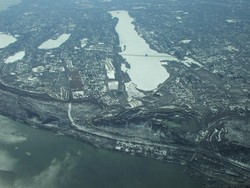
{"x":34,"y":158}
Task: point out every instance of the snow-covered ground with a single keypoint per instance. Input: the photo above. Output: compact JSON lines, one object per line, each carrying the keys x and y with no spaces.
{"x":186,"y":41}
{"x":54,"y":43}
{"x":84,"y":42}
{"x":110,"y":69}
{"x":232,"y":21}
{"x":188,"y":61}
{"x":113,"y":85}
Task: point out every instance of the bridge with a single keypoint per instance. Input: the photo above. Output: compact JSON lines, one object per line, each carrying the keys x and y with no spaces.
{"x":145,"y":55}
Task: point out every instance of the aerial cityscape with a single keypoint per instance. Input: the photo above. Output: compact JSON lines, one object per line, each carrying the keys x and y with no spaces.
{"x":167,"y":80}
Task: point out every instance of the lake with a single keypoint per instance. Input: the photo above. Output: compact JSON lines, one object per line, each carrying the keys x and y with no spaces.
{"x":146,"y":71}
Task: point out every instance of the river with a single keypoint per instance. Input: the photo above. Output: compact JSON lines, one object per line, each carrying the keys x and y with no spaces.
{"x":34,"y":158}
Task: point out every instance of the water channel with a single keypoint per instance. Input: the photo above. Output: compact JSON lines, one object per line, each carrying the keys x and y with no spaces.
{"x":34,"y":158}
